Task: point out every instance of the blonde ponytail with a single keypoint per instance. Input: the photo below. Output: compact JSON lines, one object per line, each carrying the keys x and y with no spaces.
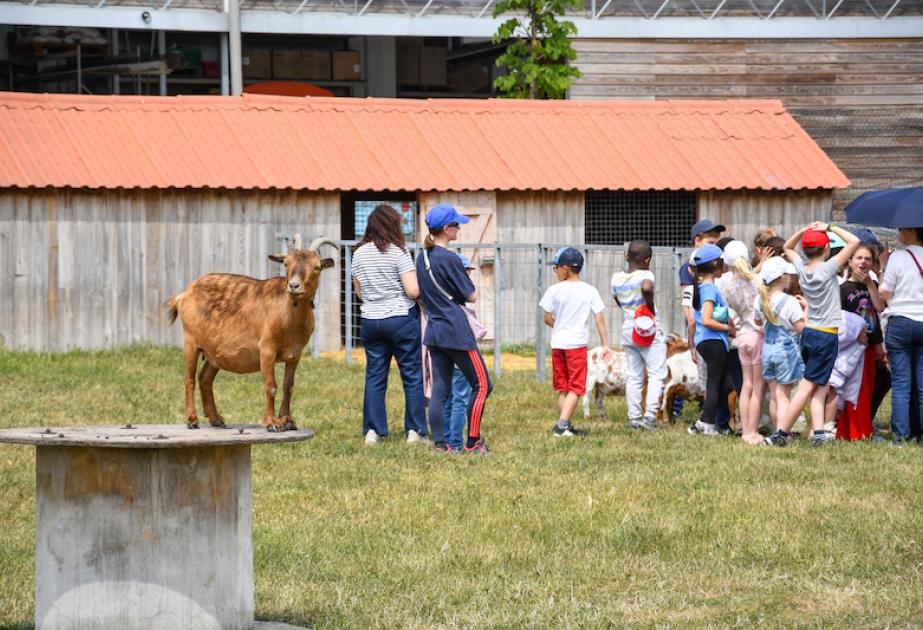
{"x":742,"y":267}
{"x":766,"y":306}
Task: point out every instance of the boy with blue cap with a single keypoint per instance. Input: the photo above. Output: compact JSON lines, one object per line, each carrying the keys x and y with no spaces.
{"x":444,"y":288}
{"x":567,"y":307}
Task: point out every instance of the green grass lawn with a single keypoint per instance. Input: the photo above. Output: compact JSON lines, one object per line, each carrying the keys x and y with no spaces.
{"x":617,"y":529}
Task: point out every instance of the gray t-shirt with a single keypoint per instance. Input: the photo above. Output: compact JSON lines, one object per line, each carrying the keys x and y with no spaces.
{"x":379,"y":276}
{"x":822,"y":292}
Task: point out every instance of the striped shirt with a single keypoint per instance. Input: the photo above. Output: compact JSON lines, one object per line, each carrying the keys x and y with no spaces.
{"x":626,"y":288}
{"x":379,"y":277}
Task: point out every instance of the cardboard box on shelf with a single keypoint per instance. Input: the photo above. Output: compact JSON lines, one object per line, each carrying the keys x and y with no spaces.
{"x":257,"y":63}
{"x":432,"y":66}
{"x":346,"y":65}
{"x":301,"y":64}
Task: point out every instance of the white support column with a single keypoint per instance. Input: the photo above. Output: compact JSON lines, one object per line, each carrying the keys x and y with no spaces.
{"x":237,"y":80}
{"x":223,"y":61}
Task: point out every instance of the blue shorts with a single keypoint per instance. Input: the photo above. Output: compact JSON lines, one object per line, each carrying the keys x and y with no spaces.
{"x":781,"y":362}
{"x":819,"y":350}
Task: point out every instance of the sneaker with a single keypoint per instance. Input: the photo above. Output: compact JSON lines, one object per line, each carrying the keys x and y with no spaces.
{"x":478,"y":448}
{"x":445,"y":448}
{"x":413,"y":437}
{"x":647,"y":424}
{"x":704,"y":428}
{"x":830,"y":427}
{"x":371,"y":438}
{"x":693,"y":428}
{"x":819,"y":438}
{"x":779,"y":438}
{"x":569,"y":430}
{"x":634,"y":423}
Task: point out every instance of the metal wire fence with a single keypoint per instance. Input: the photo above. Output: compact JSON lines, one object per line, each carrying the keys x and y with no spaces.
{"x":510,"y":279}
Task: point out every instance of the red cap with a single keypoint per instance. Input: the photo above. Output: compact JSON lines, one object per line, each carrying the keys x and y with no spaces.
{"x":814,"y":238}
{"x":645,"y":326}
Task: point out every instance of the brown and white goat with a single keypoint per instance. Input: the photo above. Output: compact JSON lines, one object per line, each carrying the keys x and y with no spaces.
{"x":245,"y":325}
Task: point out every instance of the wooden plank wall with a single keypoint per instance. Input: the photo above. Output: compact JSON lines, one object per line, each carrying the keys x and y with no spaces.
{"x":92,"y":269}
{"x":745,"y":213}
{"x":861,"y":100}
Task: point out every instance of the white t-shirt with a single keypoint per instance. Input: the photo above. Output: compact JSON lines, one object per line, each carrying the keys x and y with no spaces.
{"x":571,"y":304}
{"x":626,"y":288}
{"x":789,"y":314}
{"x":902,"y":279}
{"x":379,"y":276}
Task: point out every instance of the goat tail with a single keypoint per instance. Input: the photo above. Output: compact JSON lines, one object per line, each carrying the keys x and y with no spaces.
{"x":173,"y":307}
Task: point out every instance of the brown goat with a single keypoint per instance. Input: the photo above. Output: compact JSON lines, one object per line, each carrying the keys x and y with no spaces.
{"x":244,"y":325}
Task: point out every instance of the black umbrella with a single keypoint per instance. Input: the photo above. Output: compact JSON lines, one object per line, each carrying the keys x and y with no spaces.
{"x":895,"y":208}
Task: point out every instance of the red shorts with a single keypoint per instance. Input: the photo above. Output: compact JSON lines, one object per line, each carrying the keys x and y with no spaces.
{"x":569,"y":368}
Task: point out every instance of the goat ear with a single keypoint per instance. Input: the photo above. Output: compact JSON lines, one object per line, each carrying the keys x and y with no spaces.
{"x":279,"y":258}
{"x":326,"y":263}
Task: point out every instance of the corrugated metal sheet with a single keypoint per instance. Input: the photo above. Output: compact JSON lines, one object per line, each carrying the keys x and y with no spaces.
{"x":266,"y":142}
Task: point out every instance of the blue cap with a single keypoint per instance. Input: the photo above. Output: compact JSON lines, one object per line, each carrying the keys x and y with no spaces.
{"x":569,"y":257}
{"x":836,"y":242}
{"x":465,"y":261}
{"x":442,"y":215}
{"x":706,"y":225}
{"x":706,"y":253}
{"x":865,"y":235}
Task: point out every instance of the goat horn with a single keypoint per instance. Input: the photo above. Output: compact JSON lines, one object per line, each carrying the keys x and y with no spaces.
{"x":321,"y":240}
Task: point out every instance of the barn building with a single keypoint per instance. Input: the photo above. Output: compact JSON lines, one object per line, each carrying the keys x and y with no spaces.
{"x":109,"y":205}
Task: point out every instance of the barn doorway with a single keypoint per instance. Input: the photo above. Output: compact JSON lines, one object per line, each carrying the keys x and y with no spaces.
{"x":355,"y":209}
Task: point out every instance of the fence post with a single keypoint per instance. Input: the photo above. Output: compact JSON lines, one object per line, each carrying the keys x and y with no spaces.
{"x":348,"y":315}
{"x":540,"y":320}
{"x":498,"y":347}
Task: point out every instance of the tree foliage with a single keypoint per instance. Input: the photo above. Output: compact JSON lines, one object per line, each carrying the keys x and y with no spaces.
{"x":536,"y":59}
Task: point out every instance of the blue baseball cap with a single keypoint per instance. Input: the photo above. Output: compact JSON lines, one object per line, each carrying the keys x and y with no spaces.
{"x":865,"y":235}
{"x":706,"y":253}
{"x":444,"y":214}
{"x":568,"y":257}
{"x":465,"y":261}
{"x":706,"y":225}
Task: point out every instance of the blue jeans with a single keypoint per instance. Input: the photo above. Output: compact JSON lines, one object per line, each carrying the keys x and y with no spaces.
{"x":904,"y":341}
{"x":456,"y":408}
{"x":397,"y":337}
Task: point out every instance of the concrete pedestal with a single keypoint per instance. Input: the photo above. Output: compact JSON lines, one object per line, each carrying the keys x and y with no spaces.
{"x":144,"y":528}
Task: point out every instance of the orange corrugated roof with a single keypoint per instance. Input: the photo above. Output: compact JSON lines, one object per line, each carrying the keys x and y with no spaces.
{"x":265,"y":142}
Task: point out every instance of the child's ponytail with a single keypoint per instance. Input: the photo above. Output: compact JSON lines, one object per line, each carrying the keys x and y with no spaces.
{"x":742,"y":267}
{"x":695,"y":289}
{"x":428,"y":242}
{"x":766,"y":306}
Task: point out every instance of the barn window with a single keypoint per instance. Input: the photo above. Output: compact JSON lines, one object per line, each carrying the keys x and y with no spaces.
{"x":663,"y":218}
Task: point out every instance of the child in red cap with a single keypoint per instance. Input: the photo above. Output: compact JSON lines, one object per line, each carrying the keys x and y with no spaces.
{"x":819,"y":342}
{"x":642,"y":338}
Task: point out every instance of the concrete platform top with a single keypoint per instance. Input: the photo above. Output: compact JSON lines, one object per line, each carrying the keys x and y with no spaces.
{"x":150,"y":436}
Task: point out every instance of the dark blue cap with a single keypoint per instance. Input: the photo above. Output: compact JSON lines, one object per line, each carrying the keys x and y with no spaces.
{"x":865,"y":235}
{"x":706,"y":253}
{"x":706,"y":225}
{"x":569,"y":257}
{"x":444,"y":214}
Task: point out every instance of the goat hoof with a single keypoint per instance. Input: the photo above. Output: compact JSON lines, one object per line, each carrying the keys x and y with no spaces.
{"x":218,"y":424}
{"x":192,"y":425}
{"x":289,"y":426}
{"x":273,"y":428}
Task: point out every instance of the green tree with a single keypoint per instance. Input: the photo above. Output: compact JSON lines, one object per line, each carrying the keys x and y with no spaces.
{"x":536,"y":59}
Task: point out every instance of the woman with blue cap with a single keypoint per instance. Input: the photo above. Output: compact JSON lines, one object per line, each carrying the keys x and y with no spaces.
{"x":444,"y":288}
{"x":712,"y":329}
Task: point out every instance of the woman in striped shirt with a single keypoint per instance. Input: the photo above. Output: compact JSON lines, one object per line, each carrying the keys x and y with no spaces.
{"x":386,"y":281}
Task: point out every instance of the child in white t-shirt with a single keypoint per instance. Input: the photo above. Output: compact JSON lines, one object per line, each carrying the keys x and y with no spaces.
{"x":642,"y":337}
{"x":567,"y":307}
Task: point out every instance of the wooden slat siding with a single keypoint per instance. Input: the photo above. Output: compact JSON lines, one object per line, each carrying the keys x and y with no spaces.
{"x":92,"y":269}
{"x":860,"y":100}
{"x":745,"y":213}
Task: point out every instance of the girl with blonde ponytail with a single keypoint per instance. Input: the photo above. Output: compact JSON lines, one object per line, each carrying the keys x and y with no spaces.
{"x":741,"y":290}
{"x":783,"y":320}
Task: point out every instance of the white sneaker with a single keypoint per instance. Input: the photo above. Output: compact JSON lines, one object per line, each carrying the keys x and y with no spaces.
{"x":830,"y":426}
{"x":371,"y":438}
{"x":703,"y":428}
{"x":413,"y":436}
